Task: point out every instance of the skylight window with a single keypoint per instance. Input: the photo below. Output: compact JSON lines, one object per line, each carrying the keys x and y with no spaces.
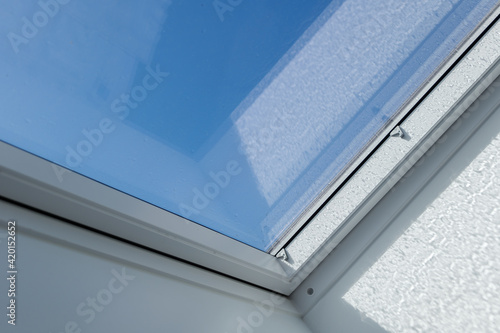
{"x":236,"y":115}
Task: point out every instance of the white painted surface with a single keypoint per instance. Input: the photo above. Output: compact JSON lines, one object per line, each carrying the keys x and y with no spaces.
{"x":63,"y":269}
{"x":427,"y":258}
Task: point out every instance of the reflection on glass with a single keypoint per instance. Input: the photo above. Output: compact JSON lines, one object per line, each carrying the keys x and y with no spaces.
{"x":233,"y":114}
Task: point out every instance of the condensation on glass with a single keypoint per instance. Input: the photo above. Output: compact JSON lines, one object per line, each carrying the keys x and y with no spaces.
{"x":233,"y":114}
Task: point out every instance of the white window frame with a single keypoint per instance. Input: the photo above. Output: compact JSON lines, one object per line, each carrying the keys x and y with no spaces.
{"x":37,"y":183}
{"x":37,"y":225}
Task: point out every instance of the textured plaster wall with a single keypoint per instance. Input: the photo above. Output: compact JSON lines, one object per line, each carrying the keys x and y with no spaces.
{"x":443,"y":273}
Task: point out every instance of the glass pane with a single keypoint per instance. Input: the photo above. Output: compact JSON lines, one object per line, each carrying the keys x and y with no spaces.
{"x":234,"y":114}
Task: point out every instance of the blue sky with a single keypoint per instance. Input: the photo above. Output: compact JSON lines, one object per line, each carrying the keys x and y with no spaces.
{"x":235,"y":124}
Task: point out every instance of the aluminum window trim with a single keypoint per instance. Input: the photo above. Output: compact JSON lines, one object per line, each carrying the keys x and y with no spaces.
{"x":404,"y":146}
{"x":33,"y":181}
